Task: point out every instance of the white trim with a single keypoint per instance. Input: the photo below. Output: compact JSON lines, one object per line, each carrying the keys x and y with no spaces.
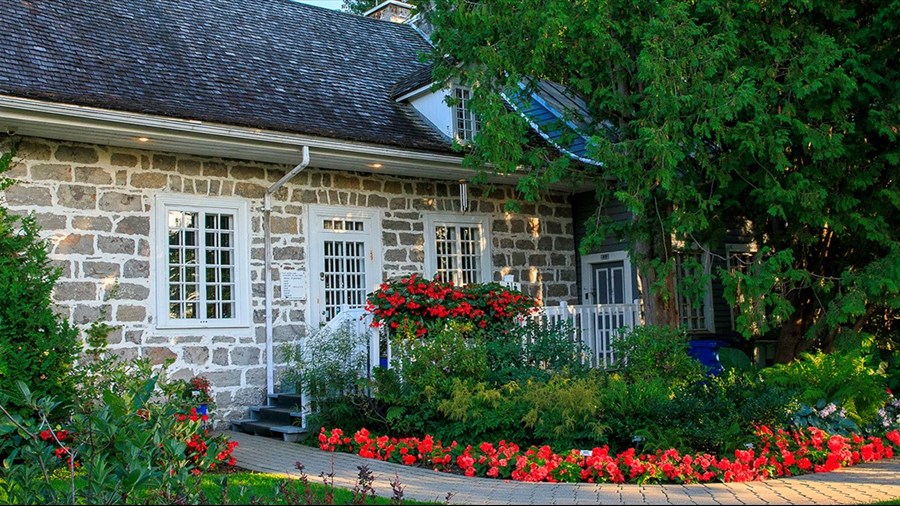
{"x":374,"y":273}
{"x":730,"y":250}
{"x":434,"y":218}
{"x":414,"y":93}
{"x":612,"y":256}
{"x":241,"y":209}
{"x":385,"y":4}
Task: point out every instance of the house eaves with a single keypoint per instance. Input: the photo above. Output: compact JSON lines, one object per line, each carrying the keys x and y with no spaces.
{"x":27,"y":117}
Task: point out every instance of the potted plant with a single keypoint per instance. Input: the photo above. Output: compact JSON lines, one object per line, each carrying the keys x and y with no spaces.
{"x":200,"y":394}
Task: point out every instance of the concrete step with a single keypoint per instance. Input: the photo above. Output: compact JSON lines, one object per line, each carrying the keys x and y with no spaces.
{"x":290,"y":433}
{"x":285,"y":400}
{"x":277,"y":414}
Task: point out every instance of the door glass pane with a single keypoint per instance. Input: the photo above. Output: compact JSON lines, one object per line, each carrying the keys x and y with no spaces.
{"x":344,"y":276}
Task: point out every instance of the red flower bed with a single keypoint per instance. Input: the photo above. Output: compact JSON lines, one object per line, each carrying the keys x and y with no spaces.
{"x":773,"y":454}
{"x":420,"y":303}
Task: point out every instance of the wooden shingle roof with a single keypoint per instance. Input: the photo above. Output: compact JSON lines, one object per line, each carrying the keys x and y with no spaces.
{"x":269,"y":64}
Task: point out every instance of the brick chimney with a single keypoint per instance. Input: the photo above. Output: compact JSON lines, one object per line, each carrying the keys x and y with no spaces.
{"x":390,"y":10}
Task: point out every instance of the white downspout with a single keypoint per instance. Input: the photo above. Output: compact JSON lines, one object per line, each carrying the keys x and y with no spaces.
{"x":270,"y":291}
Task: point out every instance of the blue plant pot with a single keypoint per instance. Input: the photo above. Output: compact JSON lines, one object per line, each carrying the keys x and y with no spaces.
{"x":202,"y":411}
{"x":707,"y":352}
{"x":383,"y":362}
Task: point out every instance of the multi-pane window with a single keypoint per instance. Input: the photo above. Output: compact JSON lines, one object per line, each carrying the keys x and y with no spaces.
{"x":201,"y":264}
{"x":740,"y":258}
{"x":456,"y":251}
{"x":693,"y":291}
{"x":465,"y":121}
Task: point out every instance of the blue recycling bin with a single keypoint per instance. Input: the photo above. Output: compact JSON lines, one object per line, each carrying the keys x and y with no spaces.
{"x":707,"y":352}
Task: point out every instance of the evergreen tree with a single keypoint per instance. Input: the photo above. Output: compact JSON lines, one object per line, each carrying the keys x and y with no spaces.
{"x":37,"y":346}
{"x":780,"y":118}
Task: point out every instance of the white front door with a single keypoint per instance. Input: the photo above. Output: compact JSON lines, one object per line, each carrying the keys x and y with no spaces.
{"x":344,"y":259}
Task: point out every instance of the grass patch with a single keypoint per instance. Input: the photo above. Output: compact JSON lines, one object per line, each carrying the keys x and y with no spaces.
{"x":250,"y":487}
{"x":247,"y":487}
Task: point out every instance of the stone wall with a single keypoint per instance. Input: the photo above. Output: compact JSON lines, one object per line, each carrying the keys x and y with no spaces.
{"x":94,"y":204}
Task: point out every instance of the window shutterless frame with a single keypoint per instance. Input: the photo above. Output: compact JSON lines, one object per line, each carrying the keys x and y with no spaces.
{"x":453,"y":254}
{"x":465,"y":124}
{"x":695,"y":319}
{"x":201,"y":255}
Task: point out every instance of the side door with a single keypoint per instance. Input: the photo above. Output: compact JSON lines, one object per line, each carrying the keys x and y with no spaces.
{"x":344,"y":259}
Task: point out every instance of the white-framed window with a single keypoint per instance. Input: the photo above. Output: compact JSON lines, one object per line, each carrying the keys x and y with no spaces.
{"x":456,"y":248}
{"x":465,"y":124}
{"x":693,"y":287}
{"x":739,"y":258}
{"x":201,"y":262}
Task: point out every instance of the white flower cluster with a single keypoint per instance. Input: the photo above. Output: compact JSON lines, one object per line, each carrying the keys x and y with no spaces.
{"x":829,"y":410}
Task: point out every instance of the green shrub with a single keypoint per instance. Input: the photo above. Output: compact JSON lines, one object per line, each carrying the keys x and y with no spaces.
{"x":534,"y":350}
{"x":649,"y":352}
{"x":422,"y":376}
{"x":846,"y":379}
{"x":758,"y":401}
{"x":37,"y":346}
{"x":330,"y":368}
{"x":635,"y":412}
{"x":126,"y":441}
{"x":564,"y":411}
{"x":474,"y":412}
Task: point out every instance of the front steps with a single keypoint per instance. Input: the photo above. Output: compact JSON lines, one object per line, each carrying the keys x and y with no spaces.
{"x":281,"y":418}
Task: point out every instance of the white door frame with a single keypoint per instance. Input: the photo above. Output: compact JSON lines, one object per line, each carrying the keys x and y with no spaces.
{"x":587,"y":272}
{"x":316,"y":237}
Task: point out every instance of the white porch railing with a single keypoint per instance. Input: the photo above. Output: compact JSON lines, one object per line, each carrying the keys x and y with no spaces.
{"x":595,"y":326}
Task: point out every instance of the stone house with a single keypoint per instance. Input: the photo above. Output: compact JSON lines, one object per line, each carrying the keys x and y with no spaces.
{"x":217,"y":178}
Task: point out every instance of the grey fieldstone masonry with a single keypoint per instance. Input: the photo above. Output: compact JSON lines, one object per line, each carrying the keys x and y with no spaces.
{"x":95,"y":206}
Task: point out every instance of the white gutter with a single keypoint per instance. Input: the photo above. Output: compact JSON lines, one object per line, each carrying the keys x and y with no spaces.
{"x":267,"y":230}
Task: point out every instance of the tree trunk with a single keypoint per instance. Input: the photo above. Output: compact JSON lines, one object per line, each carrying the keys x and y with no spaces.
{"x":659,"y":303}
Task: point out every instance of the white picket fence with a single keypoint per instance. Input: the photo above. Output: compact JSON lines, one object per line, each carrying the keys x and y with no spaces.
{"x":594,"y":326}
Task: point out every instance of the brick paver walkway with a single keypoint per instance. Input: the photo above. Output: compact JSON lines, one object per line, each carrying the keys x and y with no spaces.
{"x":865,"y":483}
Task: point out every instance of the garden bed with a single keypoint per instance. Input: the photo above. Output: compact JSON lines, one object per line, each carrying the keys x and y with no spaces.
{"x":772,"y":454}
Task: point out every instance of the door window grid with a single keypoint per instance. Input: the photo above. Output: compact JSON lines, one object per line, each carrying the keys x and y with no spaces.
{"x":344,"y":276}
{"x":693,"y":314}
{"x":610,"y":287}
{"x":201,"y":285}
{"x":458,"y":254}
{"x":739,"y":261}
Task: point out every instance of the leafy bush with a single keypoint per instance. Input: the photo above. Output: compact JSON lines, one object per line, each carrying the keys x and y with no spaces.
{"x":534,"y":350}
{"x":758,"y":401}
{"x":423,"y":373}
{"x":330,"y":368}
{"x":648,"y":352}
{"x":425,"y":305}
{"x":37,"y":345}
{"x":843,"y":378}
{"x":128,"y":441}
{"x":564,"y":411}
{"x":828,"y":417}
